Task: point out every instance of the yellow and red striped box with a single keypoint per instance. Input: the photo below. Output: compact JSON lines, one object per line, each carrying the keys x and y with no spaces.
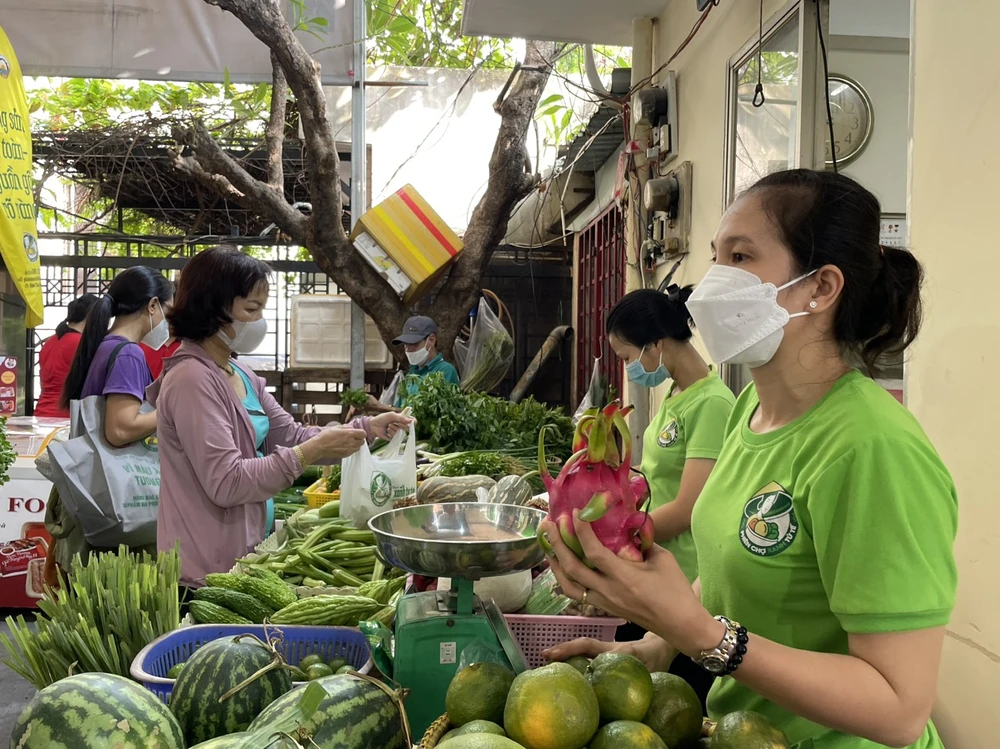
{"x":413,"y":236}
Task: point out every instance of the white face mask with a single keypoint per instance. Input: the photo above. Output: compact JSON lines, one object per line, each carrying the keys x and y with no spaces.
{"x":247,"y":336}
{"x":738,"y":315}
{"x":417,"y":358}
{"x":157,"y":335}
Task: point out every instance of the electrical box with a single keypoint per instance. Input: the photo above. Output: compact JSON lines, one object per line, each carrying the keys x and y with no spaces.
{"x":667,"y":129}
{"x":672,"y":196}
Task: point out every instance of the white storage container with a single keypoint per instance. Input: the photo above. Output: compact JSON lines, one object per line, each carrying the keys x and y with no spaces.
{"x":321,"y":334}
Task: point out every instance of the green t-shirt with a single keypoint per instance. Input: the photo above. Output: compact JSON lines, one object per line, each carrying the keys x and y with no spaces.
{"x":691,"y":424}
{"x":841,"y":522}
{"x":437,"y":364}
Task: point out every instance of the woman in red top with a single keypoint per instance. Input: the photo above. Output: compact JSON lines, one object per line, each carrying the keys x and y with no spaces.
{"x":57,"y":354}
{"x":155,"y":357}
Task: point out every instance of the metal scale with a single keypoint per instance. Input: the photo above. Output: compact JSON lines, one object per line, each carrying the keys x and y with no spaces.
{"x":465,"y":541}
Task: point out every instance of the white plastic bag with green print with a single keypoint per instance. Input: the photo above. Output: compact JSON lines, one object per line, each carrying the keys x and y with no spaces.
{"x":371,"y":484}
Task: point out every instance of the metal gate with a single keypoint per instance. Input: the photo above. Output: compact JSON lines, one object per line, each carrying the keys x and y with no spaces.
{"x":600,"y":278}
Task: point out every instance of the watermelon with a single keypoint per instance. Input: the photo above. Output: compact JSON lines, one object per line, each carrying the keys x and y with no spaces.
{"x":215,"y":669}
{"x":232,"y":741}
{"x":96,"y":711}
{"x":356,"y":714}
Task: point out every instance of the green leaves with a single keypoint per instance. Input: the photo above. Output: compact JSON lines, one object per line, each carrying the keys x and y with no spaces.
{"x":455,"y":421}
{"x":428,"y":33}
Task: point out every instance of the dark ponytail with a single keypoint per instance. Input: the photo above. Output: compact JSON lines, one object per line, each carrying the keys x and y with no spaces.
{"x":645,"y":316}
{"x":76,"y":313}
{"x":129,"y":292}
{"x":891,"y":315}
{"x":826,"y":218}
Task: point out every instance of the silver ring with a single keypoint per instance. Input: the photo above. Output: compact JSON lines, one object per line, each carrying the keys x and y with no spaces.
{"x":583,"y":598}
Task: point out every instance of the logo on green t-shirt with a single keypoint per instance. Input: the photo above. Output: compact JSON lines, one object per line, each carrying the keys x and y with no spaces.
{"x":668,"y":436}
{"x":768,"y":526}
{"x":380,"y":489}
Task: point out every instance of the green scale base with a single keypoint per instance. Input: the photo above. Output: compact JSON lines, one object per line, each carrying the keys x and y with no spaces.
{"x":430,"y":639}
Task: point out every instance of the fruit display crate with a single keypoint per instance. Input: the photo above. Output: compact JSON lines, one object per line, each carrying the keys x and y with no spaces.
{"x":536,"y":634}
{"x":294,"y":642}
{"x":317,"y":496}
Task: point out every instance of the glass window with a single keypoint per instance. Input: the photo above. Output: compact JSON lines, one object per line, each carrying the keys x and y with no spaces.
{"x":764,"y":137}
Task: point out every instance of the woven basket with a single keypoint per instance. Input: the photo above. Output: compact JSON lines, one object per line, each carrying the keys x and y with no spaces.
{"x":441,"y":726}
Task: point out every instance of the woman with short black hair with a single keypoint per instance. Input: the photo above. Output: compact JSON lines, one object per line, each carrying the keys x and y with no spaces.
{"x":225,"y":444}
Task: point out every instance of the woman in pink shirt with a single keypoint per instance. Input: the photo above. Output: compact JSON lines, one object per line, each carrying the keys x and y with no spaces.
{"x":226,"y":446}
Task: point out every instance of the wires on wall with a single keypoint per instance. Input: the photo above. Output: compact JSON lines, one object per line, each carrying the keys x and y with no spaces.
{"x":826,"y":84}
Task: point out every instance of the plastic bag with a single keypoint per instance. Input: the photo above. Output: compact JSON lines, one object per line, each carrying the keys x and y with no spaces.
{"x":483,"y":361}
{"x":381,"y":642}
{"x":370,"y":484}
{"x":481,"y":651}
{"x":391,"y":393}
{"x":594,"y":395}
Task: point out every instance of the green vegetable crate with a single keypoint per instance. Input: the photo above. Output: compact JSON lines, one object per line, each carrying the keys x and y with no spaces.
{"x":317,"y":495}
{"x":294,"y":642}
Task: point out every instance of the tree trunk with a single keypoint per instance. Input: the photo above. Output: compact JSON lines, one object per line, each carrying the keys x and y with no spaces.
{"x":321,"y":232}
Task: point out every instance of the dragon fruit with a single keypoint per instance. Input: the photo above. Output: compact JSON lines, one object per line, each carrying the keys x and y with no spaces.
{"x":596,"y":481}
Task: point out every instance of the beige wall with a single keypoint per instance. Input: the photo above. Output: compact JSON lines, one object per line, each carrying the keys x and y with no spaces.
{"x":885,"y":75}
{"x":701,"y":88}
{"x":951,"y":378}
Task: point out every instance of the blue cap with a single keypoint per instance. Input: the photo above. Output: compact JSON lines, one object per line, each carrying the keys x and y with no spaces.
{"x":415,"y":330}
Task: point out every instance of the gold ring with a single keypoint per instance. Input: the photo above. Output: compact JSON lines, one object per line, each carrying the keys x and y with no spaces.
{"x":583,"y":598}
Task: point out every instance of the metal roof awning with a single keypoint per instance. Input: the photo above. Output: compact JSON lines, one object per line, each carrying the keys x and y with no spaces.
{"x":169,"y":40}
{"x":590,"y":156}
{"x":587,"y":21}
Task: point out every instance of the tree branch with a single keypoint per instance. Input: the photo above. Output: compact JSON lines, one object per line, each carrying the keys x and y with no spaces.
{"x":275,"y":135}
{"x":213,"y":167}
{"x":509,"y":182}
{"x":264,"y":19}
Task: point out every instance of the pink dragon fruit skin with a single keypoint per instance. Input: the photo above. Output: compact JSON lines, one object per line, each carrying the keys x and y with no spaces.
{"x":595,"y":481}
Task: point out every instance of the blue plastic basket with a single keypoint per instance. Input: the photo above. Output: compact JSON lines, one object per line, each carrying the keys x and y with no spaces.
{"x":151,"y":665}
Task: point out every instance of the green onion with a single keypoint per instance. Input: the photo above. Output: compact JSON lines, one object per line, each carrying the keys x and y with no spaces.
{"x":109,"y":609}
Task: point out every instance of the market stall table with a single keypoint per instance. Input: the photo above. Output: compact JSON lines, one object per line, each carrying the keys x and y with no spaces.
{"x":24,"y":541}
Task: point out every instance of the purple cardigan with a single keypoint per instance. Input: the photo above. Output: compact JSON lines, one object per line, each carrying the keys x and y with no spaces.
{"x":213,"y":488}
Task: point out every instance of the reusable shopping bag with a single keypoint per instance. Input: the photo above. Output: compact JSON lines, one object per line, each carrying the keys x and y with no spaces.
{"x":113,"y":493}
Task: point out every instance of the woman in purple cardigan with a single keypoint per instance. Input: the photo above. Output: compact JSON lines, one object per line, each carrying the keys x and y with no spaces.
{"x":226,"y":446}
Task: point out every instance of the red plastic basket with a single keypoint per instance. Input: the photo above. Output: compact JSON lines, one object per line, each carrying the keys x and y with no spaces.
{"x":538,"y":633}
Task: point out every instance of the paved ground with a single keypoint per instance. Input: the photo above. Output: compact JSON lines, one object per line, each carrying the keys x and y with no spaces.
{"x":15,"y":692}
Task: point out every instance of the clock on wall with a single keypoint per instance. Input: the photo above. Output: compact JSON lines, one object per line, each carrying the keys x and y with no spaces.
{"x":853,"y":119}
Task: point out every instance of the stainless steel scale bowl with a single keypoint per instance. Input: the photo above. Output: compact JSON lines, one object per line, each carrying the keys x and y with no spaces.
{"x":461,"y":539}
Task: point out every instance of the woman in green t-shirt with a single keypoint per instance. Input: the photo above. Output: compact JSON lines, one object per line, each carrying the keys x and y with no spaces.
{"x":825,"y":532}
{"x":650,"y":331}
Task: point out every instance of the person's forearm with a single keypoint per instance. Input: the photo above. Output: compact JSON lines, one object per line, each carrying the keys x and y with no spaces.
{"x":841,"y":692}
{"x":122,"y":433}
{"x":670,"y":521}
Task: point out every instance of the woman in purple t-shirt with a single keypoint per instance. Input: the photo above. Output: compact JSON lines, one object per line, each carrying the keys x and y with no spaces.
{"x":109,"y":362}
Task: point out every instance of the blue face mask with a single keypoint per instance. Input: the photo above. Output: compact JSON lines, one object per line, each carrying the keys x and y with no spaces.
{"x":638,"y":374}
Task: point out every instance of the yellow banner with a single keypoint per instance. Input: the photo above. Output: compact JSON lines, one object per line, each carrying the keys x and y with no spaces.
{"x":18,"y":239}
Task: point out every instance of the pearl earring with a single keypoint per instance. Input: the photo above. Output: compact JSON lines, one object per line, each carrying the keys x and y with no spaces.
{"x":813,"y":304}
